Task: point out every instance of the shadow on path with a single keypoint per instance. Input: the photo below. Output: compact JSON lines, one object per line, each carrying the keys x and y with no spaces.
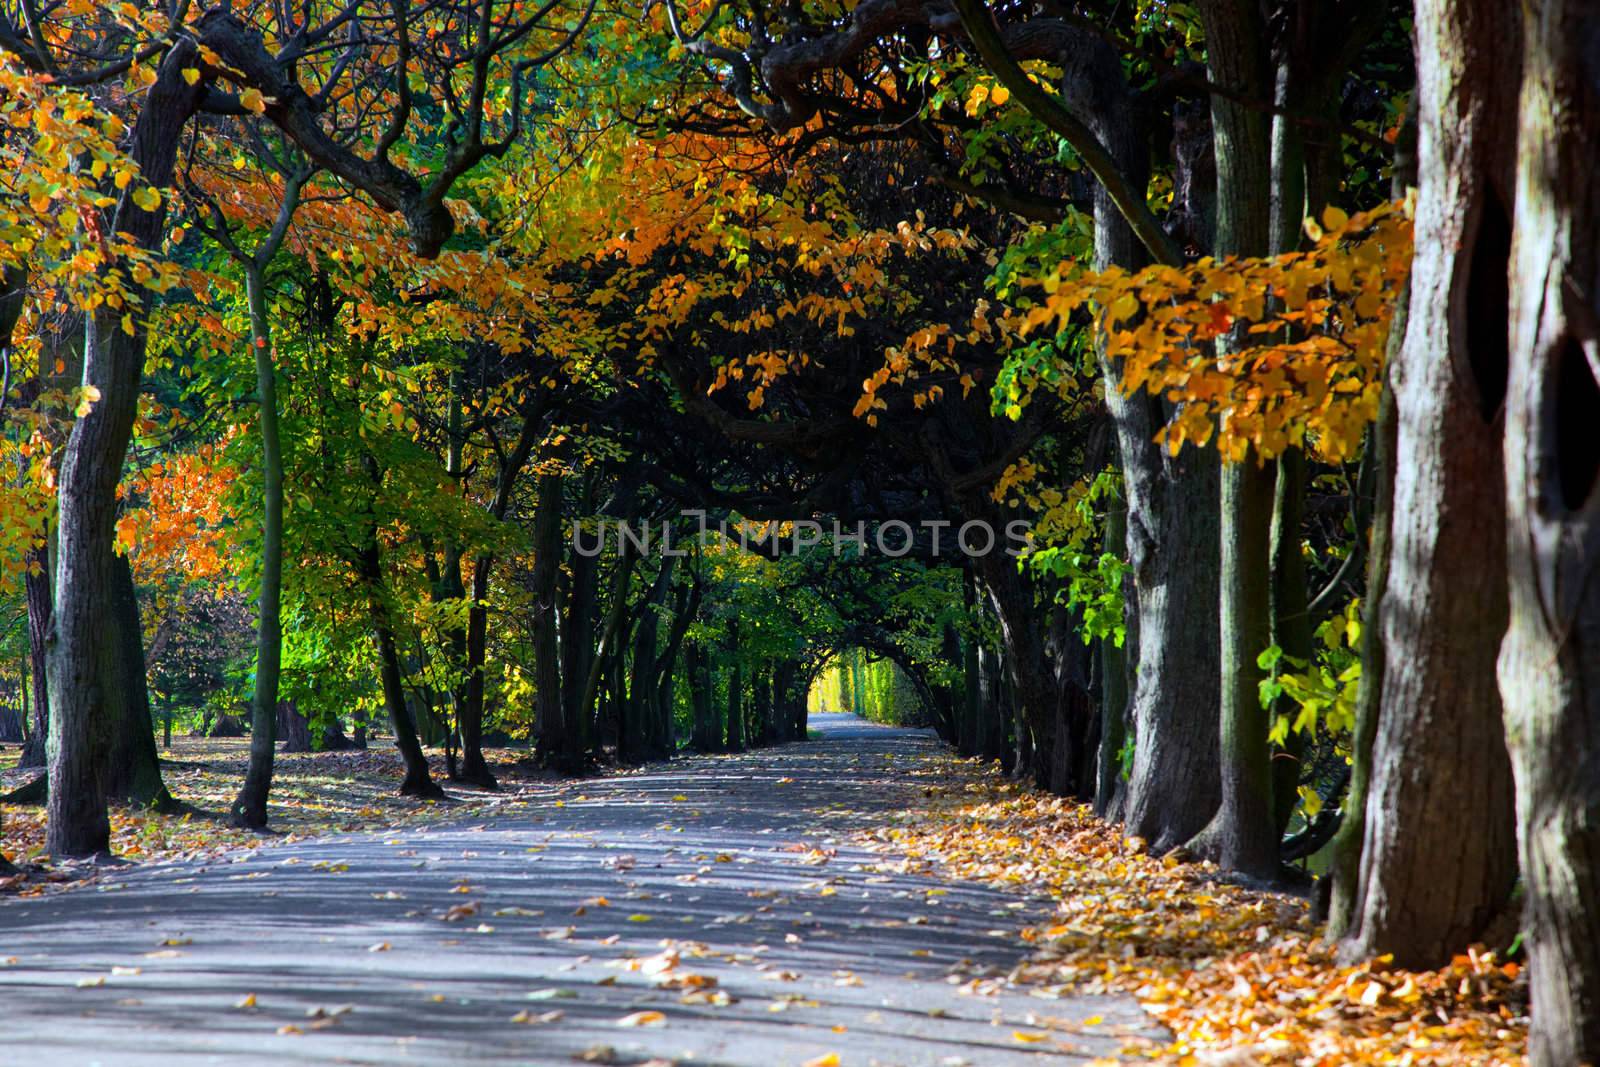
{"x":740,"y":864}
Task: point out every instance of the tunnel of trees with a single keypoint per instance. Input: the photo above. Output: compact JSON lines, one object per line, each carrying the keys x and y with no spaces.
{"x":616,"y":380}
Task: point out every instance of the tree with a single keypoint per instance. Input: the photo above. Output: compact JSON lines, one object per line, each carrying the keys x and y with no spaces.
{"x":1547,"y":665}
{"x":1424,"y":891}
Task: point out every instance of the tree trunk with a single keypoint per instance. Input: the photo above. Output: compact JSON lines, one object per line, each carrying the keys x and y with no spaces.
{"x":1109,"y":792}
{"x":133,"y":771}
{"x":1380,"y":461}
{"x":84,"y":659}
{"x":636,"y":741}
{"x":1171,"y":528}
{"x":549,"y":722}
{"x":612,"y":634}
{"x":1550,"y":662}
{"x":37,"y":590}
{"x":473,"y":766}
{"x":418,"y":781}
{"x":761,"y":703}
{"x":1425,"y":890}
{"x":250,"y":806}
{"x":736,"y":739}
{"x":293,"y":727}
{"x":1242,"y":835}
{"x":577,"y":645}
{"x":688,"y":608}
{"x":703,"y":735}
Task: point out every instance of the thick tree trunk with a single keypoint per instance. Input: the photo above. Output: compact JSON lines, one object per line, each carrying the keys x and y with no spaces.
{"x":1051,"y":701}
{"x":293,"y":727}
{"x":1171,"y":528}
{"x":133,"y":771}
{"x":1550,"y":662}
{"x":84,"y":661}
{"x":1426,"y":890}
{"x":703,"y":735}
{"x":1291,"y":622}
{"x":418,"y":782}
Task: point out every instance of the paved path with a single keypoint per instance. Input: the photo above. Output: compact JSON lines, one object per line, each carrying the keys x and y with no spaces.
{"x":734,"y":870}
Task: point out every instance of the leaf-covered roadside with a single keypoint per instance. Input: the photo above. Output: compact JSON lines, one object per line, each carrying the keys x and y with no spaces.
{"x":317,"y":793}
{"x":1238,"y":976}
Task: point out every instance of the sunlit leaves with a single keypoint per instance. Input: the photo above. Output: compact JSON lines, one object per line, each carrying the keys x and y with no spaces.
{"x":1309,"y":328}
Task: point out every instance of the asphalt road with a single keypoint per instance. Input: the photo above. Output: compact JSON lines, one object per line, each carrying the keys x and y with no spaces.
{"x":711,"y":911}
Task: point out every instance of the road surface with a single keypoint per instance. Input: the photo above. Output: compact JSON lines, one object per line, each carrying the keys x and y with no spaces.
{"x":711,"y":911}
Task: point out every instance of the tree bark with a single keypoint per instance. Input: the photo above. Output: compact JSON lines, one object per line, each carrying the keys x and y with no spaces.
{"x":1425,"y":890}
{"x":1345,"y":867}
{"x":549,"y":723}
{"x":84,"y":659}
{"x":1549,"y":667}
{"x":1242,"y":835}
{"x":37,"y":591}
{"x":1110,"y":793}
{"x":736,"y":738}
{"x":1171,"y":527}
{"x":133,"y":771}
{"x":250,"y":806}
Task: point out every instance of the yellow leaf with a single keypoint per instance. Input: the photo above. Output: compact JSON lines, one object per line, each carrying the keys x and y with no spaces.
{"x":643,"y":1018}
{"x":1028,"y":1039}
{"x":147,"y":198}
{"x":827,"y":1059}
{"x":191,"y":75}
{"x":1334,"y":218}
{"x":252,"y":100}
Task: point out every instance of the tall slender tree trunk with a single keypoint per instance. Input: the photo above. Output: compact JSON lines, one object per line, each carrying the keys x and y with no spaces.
{"x":473,"y":766}
{"x":736,"y":732}
{"x":549,"y":722}
{"x":418,"y":781}
{"x":250,"y":806}
{"x":1550,"y":663}
{"x":84,"y":660}
{"x":1424,"y":889}
{"x":1344,"y":873}
{"x":1110,"y":794}
{"x":1242,"y":835}
{"x":36,"y":588}
{"x":613,"y":632}
{"x":703,"y":735}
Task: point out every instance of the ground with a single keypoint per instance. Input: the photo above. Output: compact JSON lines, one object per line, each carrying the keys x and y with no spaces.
{"x":719,"y":911}
{"x":863,"y":898}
